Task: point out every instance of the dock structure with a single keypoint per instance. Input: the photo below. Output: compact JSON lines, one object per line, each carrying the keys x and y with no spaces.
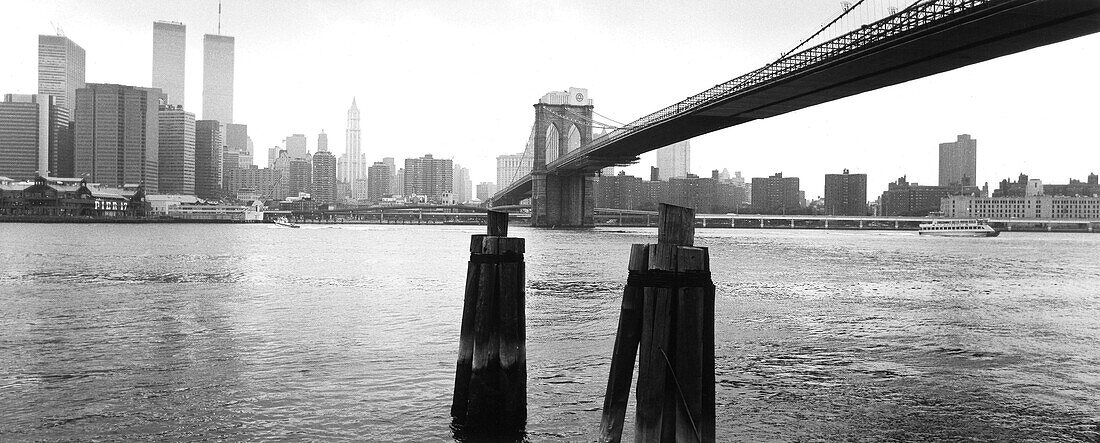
{"x":490,"y":391}
{"x":667,"y":321}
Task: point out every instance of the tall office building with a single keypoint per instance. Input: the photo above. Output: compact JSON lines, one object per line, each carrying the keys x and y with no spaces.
{"x":846,"y":194}
{"x":324,"y":177}
{"x":429,"y":177}
{"x":177,"y":150}
{"x":379,"y":181}
{"x":296,"y":146}
{"x":248,"y":158}
{"x":217,"y":78}
{"x":169,"y":61}
{"x":959,"y":162}
{"x":322,"y":141}
{"x":117,"y":135}
{"x":462,"y":186}
{"x":776,"y":194}
{"x":236,"y":145}
{"x":60,"y":69}
{"x":35,"y":137}
{"x":486,"y":190}
{"x":301,"y":176}
{"x":356,"y":163}
{"x":674,"y":160}
{"x":208,"y":159}
{"x":511,"y":167}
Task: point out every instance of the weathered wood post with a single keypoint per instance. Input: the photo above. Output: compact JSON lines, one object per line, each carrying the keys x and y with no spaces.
{"x":490,"y":392}
{"x":667,"y":317}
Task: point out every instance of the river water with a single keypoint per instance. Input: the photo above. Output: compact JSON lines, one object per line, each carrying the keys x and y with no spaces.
{"x":245,"y":332}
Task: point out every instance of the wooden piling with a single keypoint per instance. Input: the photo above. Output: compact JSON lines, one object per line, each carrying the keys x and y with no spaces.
{"x":490,"y":391}
{"x":668,"y":314}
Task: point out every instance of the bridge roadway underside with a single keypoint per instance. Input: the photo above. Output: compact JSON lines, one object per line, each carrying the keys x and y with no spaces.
{"x":990,"y":32}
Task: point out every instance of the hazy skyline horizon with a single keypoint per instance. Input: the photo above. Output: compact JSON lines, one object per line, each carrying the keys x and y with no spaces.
{"x":504,"y":57}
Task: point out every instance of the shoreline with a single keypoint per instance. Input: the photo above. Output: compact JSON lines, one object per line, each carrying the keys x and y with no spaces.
{"x":74,"y":220}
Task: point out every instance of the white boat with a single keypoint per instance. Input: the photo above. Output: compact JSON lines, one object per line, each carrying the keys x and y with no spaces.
{"x":282,"y":221}
{"x":958,"y":228}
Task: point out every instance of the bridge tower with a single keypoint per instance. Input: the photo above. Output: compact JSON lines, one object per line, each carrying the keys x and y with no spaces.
{"x":563,"y":123}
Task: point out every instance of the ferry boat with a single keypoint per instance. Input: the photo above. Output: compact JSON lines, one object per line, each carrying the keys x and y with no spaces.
{"x":282,"y":221}
{"x":958,"y":228}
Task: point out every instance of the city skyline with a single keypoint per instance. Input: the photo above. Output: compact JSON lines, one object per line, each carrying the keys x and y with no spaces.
{"x":886,"y":133}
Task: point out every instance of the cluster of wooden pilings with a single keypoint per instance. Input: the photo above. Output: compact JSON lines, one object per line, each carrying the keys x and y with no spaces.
{"x":667,"y":321}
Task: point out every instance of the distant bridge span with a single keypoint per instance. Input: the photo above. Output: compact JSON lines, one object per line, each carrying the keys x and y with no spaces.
{"x":928,"y":38}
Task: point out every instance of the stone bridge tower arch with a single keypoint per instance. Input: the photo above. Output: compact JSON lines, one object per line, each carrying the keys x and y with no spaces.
{"x":563,"y":121}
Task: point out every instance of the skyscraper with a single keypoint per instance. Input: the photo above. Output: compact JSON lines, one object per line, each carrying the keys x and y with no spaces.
{"x":296,"y":146}
{"x":117,"y":135}
{"x":177,"y":150}
{"x":169,"y":50}
{"x":236,"y":142}
{"x":959,"y":162}
{"x":674,"y":160}
{"x":60,"y":69}
{"x":845,"y":194}
{"x":324,"y":177}
{"x":322,"y":141}
{"x":34,"y":137}
{"x":217,"y":78}
{"x":356,"y":160}
{"x":208,"y":159}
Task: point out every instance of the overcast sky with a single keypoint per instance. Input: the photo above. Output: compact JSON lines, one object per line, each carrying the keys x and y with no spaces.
{"x":457,"y":79}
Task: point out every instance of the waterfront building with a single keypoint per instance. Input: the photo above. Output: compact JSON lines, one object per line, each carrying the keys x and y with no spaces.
{"x":252,"y":180}
{"x":776,"y":195}
{"x":117,"y":135}
{"x":1032,"y":206}
{"x":845,"y":194}
{"x":705,"y":195}
{"x":429,"y":177}
{"x":60,"y":69}
{"x":512,"y":167}
{"x":35,"y":137}
{"x":486,"y":190}
{"x":217,"y":78}
{"x":618,"y":191}
{"x":324,"y":177}
{"x":379,"y":181}
{"x":169,"y":61}
{"x":1028,"y":187}
{"x":208,"y":159}
{"x":176,"y":157}
{"x":70,"y":197}
{"x":902,"y":198}
{"x":462,"y":186}
{"x":958,"y":162}
{"x":674,"y":160}
{"x":296,"y":146}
